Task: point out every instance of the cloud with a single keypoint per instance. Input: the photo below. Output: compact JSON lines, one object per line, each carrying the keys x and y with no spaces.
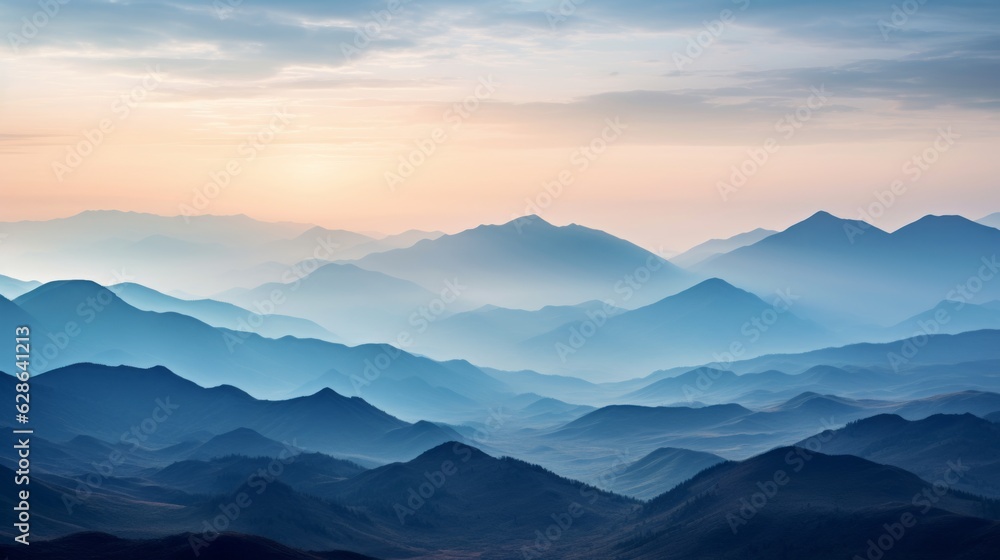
{"x":942,"y":56}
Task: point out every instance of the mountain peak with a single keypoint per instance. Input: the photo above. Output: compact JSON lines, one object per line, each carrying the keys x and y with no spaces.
{"x":822,"y":216}
{"x":712,"y":285}
{"x":707,"y":290}
{"x":934,"y":225}
{"x":822,"y":220}
{"x":68,"y":292}
{"x":326,"y":393}
{"x":450,"y":450}
{"x":528,"y":221}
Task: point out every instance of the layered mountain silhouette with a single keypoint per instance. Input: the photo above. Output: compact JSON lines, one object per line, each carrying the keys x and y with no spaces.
{"x":714,"y":247}
{"x":927,"y":447}
{"x":371,"y":306}
{"x":221,"y":314}
{"x":948,"y":317}
{"x":820,"y":507}
{"x":702,"y":324}
{"x":853,"y":273}
{"x":451,"y":497}
{"x":529,"y":263}
{"x":11,"y":288}
{"x":809,"y":503}
{"x":898,"y":356}
{"x":660,"y":471}
{"x":88,"y":323}
{"x":509,"y":391}
{"x":993,"y":220}
{"x":177,"y":408}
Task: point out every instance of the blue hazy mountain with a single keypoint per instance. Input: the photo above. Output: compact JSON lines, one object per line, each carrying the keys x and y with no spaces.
{"x":13,"y":316}
{"x":95,"y":225}
{"x":925,"y":390}
{"x":529,"y":263}
{"x":310,"y":473}
{"x":549,"y":411}
{"x":565,"y":387}
{"x":160,"y":252}
{"x":714,"y":385}
{"x":854,"y":273}
{"x":221,"y":314}
{"x":638,"y":421}
{"x":325,"y":421}
{"x":733,"y":430}
{"x":117,"y":333}
{"x":491,"y":336}
{"x":11,"y":288}
{"x":979,"y":403}
{"x":948,"y":317}
{"x":380,"y":245}
{"x":900,"y":355}
{"x":241,"y":441}
{"x":713,"y":247}
{"x":660,"y":471}
{"x":701,"y":324}
{"x":924,"y":447}
{"x":993,"y":220}
{"x":358,"y":304}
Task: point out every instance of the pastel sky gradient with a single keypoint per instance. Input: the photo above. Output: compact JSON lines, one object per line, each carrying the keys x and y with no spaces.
{"x":560,"y":70}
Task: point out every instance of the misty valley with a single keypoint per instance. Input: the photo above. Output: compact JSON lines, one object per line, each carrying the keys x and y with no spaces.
{"x":521,"y":390}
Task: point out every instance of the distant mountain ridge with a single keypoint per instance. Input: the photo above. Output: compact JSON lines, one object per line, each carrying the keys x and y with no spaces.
{"x":529,"y":263}
{"x":847,"y":270}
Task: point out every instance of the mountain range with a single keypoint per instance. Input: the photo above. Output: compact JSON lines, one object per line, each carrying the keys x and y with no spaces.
{"x":851,"y":273}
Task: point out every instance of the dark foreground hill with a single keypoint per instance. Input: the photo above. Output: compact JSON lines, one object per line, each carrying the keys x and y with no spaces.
{"x":101,"y":546}
{"x":793,"y":503}
{"x":455,"y":502}
{"x":927,"y":447}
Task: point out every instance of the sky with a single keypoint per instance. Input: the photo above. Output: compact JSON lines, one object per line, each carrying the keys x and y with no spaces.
{"x":665,"y":122}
